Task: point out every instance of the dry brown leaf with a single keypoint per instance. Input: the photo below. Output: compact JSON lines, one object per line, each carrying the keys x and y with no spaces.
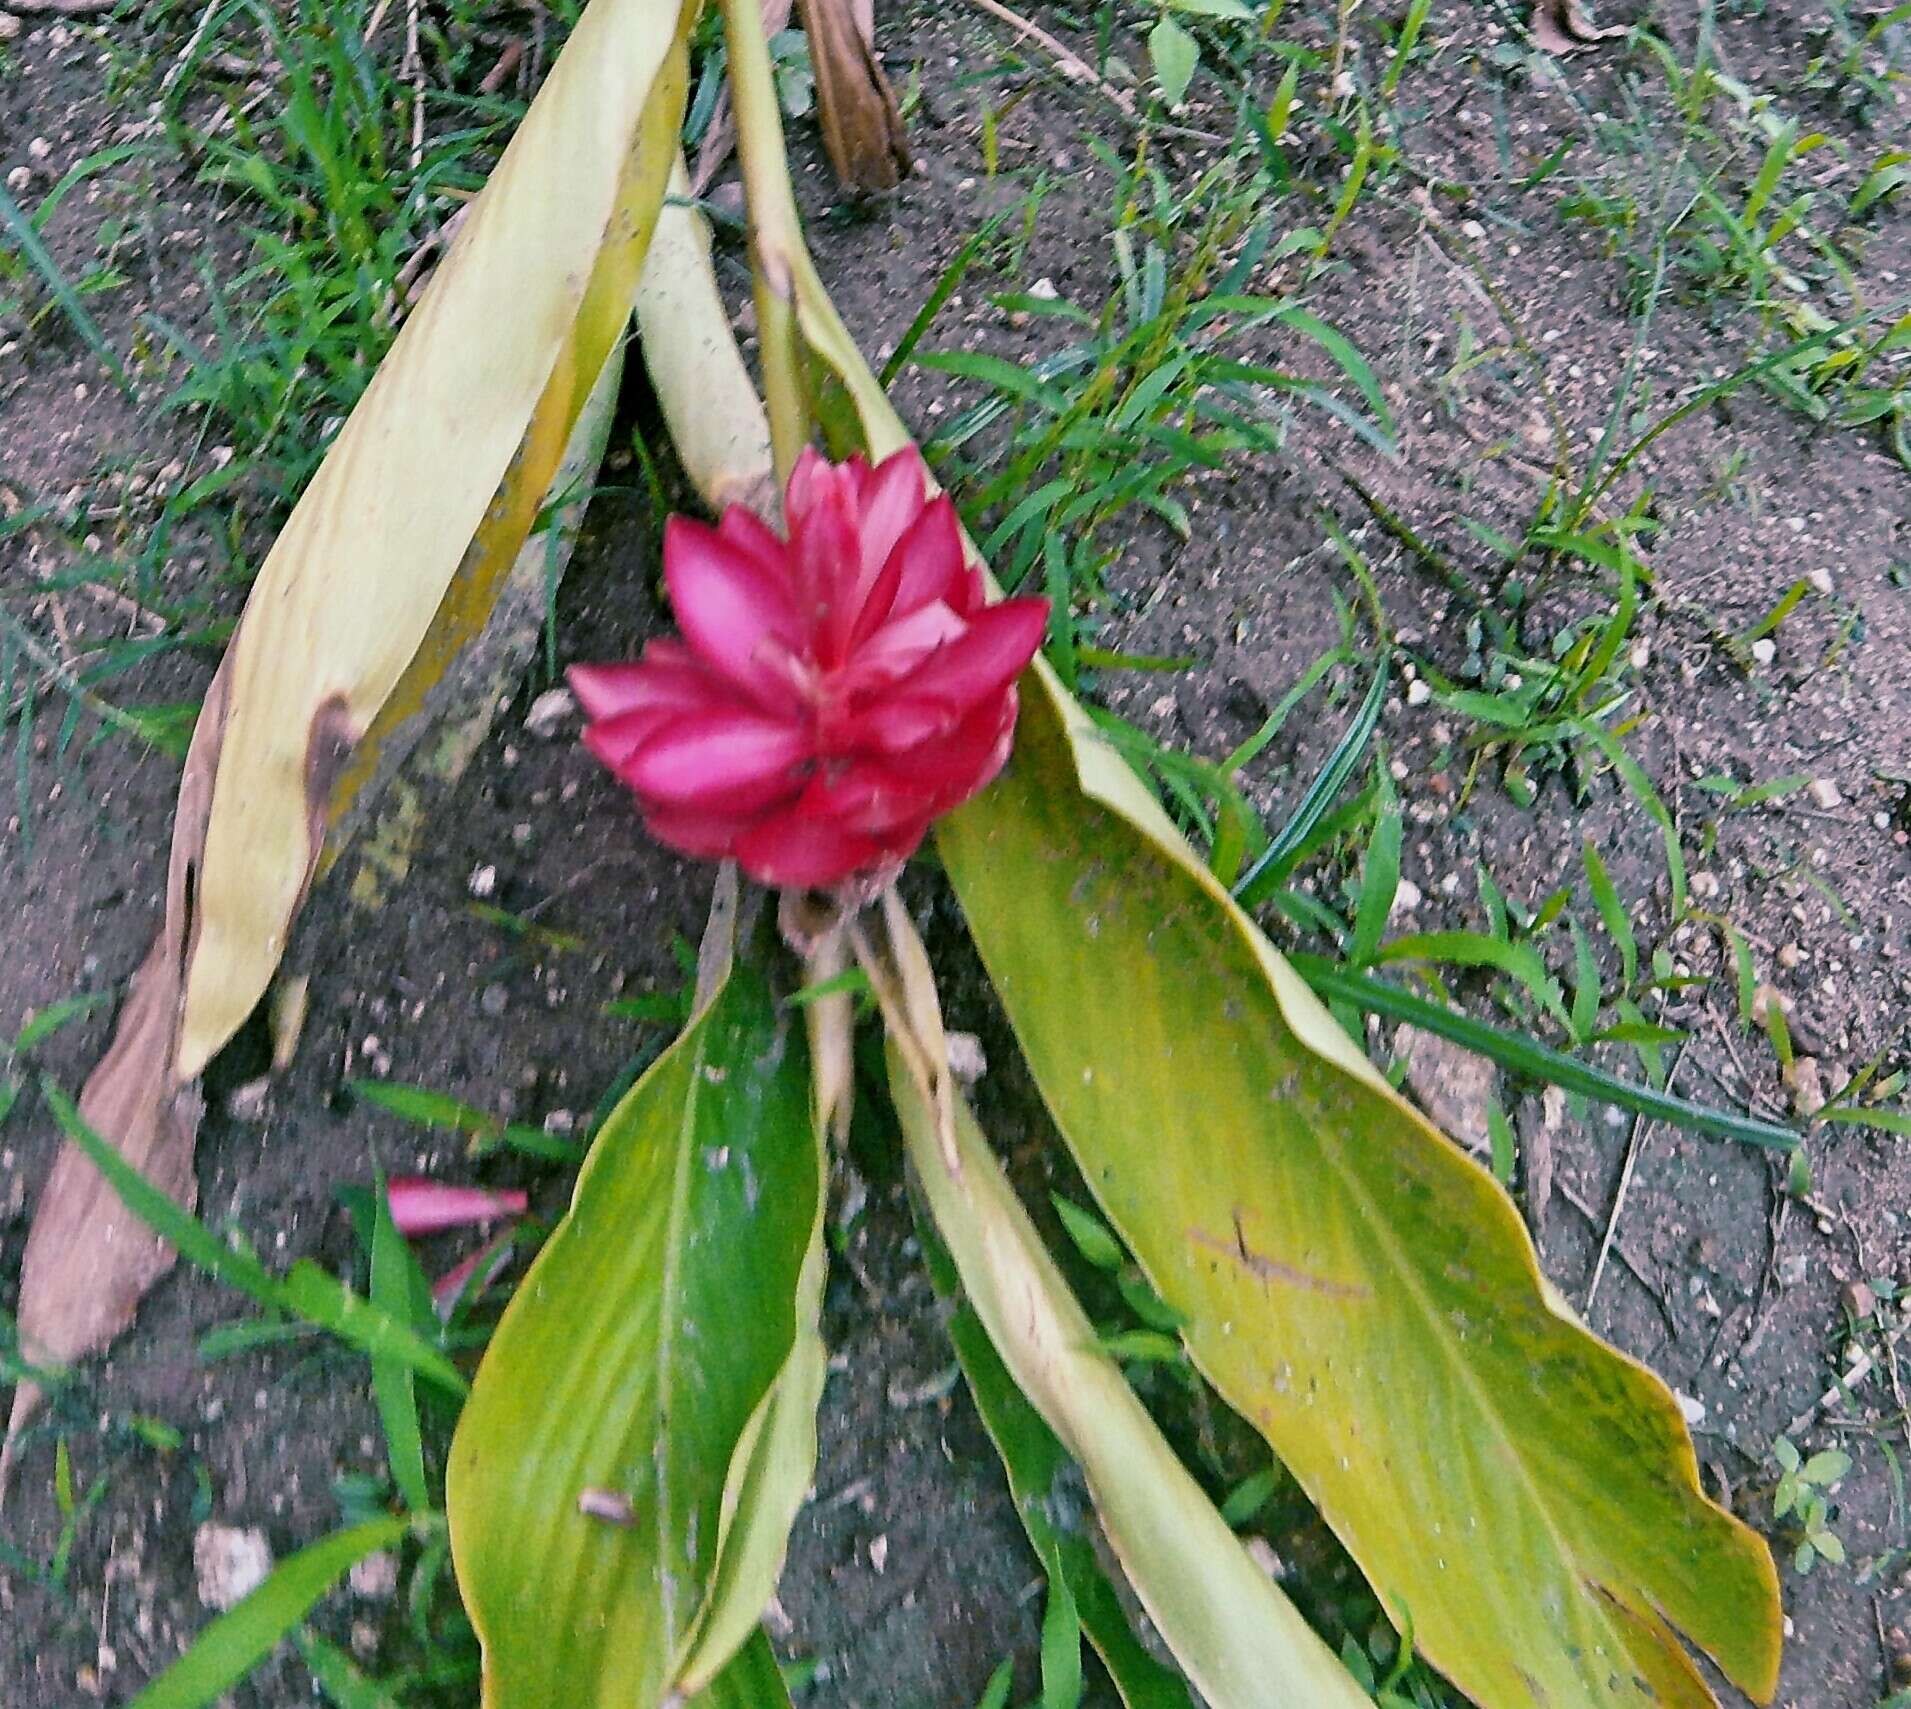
{"x":1563,"y":27}
{"x":862,"y":129}
{"x":88,"y":1259}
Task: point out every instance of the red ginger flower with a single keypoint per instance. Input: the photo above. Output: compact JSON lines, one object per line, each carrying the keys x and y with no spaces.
{"x":832,"y":693}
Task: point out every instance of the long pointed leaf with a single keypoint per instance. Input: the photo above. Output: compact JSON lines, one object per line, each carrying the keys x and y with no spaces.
{"x":640,"y":1371}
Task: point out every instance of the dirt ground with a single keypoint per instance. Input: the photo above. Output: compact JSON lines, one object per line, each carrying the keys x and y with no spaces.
{"x":908,"y":1577}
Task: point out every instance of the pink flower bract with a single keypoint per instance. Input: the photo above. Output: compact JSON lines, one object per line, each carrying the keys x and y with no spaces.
{"x":832,"y":693}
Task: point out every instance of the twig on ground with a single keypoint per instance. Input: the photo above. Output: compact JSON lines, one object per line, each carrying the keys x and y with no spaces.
{"x":1573,"y":1197}
{"x":1855,"y":1373}
{"x":185,"y":56}
{"x":508,"y":62}
{"x":1068,"y":62}
{"x":1635,"y":1143}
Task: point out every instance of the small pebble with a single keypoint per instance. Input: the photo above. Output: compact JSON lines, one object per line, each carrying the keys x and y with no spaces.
{"x":550,"y":712}
{"x":1821,"y":582}
{"x":1406,"y":897}
{"x":10,"y":27}
{"x":483,"y":882}
{"x":967,"y":1061}
{"x":376,"y":1577}
{"x":1824,"y":794}
{"x":230,"y":1562}
{"x":1808,"y":1086}
{"x":1692,"y":1408}
{"x":493,"y":1000}
{"x":1764,"y":650}
{"x":1418,"y":693}
{"x":250,"y":1102}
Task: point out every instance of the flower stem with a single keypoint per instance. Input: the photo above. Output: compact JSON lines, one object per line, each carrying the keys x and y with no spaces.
{"x":776,"y":236}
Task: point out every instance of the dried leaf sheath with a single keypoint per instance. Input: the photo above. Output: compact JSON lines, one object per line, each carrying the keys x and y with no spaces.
{"x":862,"y":129}
{"x":88,"y":1259}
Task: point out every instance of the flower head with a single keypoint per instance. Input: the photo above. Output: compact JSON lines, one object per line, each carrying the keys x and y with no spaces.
{"x":832,"y":693}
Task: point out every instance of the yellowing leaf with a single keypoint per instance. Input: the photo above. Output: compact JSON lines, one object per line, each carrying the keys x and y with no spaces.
{"x":1353,"y":1283}
{"x":485,"y":382}
{"x":1239,"y":1639}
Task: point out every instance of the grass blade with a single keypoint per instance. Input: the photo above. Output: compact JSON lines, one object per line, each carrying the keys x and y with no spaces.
{"x":1522,"y":1055}
{"x":27,"y":236}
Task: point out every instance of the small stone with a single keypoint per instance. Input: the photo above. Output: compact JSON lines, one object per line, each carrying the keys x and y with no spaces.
{"x":250,"y":1102}
{"x":1792,"y":1269}
{"x":967,"y":1060}
{"x":1418,"y":693}
{"x":1859,"y":1300}
{"x":230,"y":1562}
{"x":483,"y":882}
{"x":1691,"y":1407}
{"x":561,"y":1124}
{"x":1824,"y":794}
{"x":1764,"y":650}
{"x":879,"y":1552}
{"x":1808,"y":1086}
{"x":1821,"y":582}
{"x":1641,"y":655}
{"x":1704,"y":885}
{"x":10,"y":27}
{"x":1406,"y":898}
{"x":1789,"y":955}
{"x":550,"y":712}
{"x":39,"y":148}
{"x":1044,"y":290}
{"x":1452,"y":1085}
{"x":20,"y":178}
{"x":376,"y":1577}
{"x":1261,"y":1552}
{"x":493,"y":1000}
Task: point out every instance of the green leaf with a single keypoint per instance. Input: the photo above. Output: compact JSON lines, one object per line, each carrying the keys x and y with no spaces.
{"x":1612,"y":912}
{"x":1061,"y":1648}
{"x":394,"y":1386}
{"x":1379,"y":879}
{"x":26,"y":234}
{"x":234,"y":1644}
{"x":1335,"y":1256}
{"x":1047,"y":1394}
{"x":662,"y":1353}
{"x":996,"y":1694}
{"x":1090,"y":1234}
{"x":1233,"y":9}
{"x":342,"y":1680}
{"x":1175,"y":54}
{"x":54,"y":1016}
{"x":1249,"y":1496}
{"x":1475,"y":949}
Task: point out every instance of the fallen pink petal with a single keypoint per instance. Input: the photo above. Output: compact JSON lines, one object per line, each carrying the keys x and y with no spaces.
{"x":421,"y":1206}
{"x":832,"y":695}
